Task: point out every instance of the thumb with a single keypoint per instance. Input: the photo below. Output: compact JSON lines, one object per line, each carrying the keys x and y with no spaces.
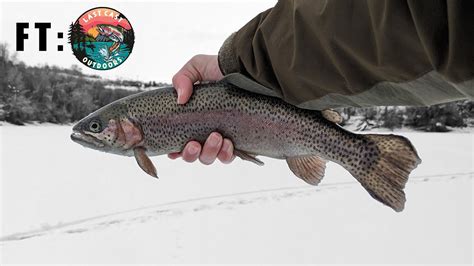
{"x":199,"y":68}
{"x":183,"y":82}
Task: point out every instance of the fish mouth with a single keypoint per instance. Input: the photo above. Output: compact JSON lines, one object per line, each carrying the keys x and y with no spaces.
{"x":86,"y":140}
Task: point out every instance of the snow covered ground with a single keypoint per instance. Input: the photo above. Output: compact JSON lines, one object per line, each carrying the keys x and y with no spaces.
{"x":62,"y":203}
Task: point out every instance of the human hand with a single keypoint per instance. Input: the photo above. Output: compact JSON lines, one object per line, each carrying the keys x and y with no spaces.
{"x":201,"y":68}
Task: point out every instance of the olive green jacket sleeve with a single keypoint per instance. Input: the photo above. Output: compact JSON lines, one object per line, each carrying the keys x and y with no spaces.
{"x":321,"y":54}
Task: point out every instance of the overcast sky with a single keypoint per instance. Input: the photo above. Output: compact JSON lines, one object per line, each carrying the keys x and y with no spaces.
{"x":167,"y":33}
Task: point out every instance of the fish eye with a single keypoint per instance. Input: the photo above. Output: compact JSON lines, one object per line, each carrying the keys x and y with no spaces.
{"x":94,"y":126}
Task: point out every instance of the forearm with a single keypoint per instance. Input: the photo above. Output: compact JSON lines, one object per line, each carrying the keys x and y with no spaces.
{"x":336,"y":53}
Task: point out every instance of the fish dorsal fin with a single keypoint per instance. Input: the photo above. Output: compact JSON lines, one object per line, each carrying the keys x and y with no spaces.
{"x":247,"y":157}
{"x":332,"y":116}
{"x":310,"y":169}
{"x":144,"y":161}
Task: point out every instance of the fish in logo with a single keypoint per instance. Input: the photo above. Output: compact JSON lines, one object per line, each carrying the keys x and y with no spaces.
{"x":101,"y":38}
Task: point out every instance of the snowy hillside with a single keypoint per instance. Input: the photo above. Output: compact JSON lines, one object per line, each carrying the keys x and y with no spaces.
{"x":62,"y":203}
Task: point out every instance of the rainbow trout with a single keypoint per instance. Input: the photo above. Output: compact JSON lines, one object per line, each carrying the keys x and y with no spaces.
{"x":152,"y":123}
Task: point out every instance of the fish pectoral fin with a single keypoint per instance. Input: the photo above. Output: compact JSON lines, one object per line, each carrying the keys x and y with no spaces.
{"x":310,"y":169}
{"x":332,"y":116}
{"x":144,"y":161}
{"x":247,"y":157}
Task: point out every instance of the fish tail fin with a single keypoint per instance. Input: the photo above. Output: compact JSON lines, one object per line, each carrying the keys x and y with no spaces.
{"x":383,"y":171}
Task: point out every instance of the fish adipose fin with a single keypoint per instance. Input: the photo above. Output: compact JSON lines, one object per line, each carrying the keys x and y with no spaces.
{"x":385,"y":177}
{"x":247,"y":157}
{"x":144,"y":161}
{"x":332,"y":116}
{"x":310,"y":169}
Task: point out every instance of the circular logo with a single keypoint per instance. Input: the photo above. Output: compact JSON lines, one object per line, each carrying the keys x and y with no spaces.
{"x":101,"y":38}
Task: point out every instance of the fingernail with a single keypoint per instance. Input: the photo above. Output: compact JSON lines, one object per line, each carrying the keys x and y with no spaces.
{"x":179,"y":91}
{"x":193,"y":150}
{"x":225,"y":146}
{"x":213,"y":139}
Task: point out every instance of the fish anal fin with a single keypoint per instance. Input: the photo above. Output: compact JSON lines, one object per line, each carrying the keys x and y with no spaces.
{"x":247,"y":157}
{"x":332,"y":116}
{"x":144,"y":161}
{"x":310,"y":168}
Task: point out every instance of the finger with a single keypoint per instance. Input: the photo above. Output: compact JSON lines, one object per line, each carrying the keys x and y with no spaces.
{"x":185,"y":78}
{"x":183,"y":82}
{"x":211,"y":148}
{"x":174,"y":155}
{"x":226,"y":154}
{"x":191,"y":151}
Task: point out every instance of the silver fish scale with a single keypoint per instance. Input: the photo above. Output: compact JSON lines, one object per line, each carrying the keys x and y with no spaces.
{"x":255,"y":123}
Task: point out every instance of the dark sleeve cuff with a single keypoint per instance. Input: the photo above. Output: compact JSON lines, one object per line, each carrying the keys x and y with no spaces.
{"x":227,"y":58}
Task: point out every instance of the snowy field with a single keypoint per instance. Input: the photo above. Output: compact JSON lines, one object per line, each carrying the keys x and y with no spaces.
{"x":62,"y":203}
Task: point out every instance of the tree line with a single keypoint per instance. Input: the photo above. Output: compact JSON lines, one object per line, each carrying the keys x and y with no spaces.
{"x":52,"y":94}
{"x":435,"y":118}
{"x":59,"y":95}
